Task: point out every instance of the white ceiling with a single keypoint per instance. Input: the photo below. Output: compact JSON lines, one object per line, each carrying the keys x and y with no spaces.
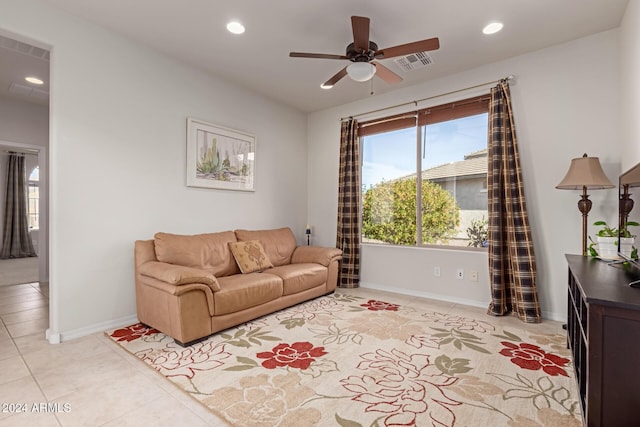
{"x":17,"y":61}
{"x":194,"y":31}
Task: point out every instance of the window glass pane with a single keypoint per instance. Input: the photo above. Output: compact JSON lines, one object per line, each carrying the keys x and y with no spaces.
{"x":33,"y":199}
{"x":35,"y":174}
{"x":453,"y":192}
{"x":455,"y":160}
{"x":389,"y":189}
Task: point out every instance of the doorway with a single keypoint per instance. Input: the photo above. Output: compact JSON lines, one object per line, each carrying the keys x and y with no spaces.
{"x":24,"y":128}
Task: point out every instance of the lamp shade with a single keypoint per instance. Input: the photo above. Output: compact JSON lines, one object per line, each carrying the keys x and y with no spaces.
{"x":361,"y":71}
{"x":631,"y":177}
{"x":585,"y":172}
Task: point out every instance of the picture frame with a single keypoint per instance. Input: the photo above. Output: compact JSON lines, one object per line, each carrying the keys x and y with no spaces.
{"x":219,"y":157}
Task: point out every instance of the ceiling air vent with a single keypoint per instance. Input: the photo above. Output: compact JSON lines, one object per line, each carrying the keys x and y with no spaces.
{"x":24,"y":48}
{"x":414,"y":61}
{"x":20,"y":89}
{"x":39,"y":93}
{"x":23,"y":90}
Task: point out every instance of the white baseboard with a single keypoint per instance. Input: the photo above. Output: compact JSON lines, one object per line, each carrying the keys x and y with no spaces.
{"x":51,"y":337}
{"x":91,"y":329}
{"x":422,"y":294}
{"x":560,"y":317}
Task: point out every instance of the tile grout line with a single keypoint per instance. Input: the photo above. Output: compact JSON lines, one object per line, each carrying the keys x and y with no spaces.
{"x":142,"y":366}
{"x":114,"y":348}
{"x":33,"y":378}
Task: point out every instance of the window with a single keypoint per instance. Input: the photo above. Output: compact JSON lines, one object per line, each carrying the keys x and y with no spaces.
{"x":33,"y":199}
{"x":434,"y":162}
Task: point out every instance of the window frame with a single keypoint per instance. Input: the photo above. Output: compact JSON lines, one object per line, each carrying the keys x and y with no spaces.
{"x":420,"y":119}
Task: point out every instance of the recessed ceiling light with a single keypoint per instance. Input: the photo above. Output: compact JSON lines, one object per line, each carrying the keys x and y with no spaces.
{"x":493,"y":28}
{"x":34,"y":80}
{"x":324,"y":86}
{"x":235,"y":27}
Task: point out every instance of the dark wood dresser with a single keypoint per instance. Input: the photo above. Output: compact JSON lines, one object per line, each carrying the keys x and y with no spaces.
{"x":603,"y":326}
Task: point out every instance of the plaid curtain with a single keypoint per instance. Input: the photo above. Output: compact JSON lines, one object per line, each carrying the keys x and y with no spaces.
{"x":512,"y":267}
{"x":16,"y":242}
{"x":348,"y":235}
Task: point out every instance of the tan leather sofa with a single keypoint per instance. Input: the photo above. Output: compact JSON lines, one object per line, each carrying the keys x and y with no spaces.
{"x":190,"y":287}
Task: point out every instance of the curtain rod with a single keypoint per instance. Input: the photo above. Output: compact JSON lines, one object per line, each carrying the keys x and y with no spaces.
{"x":425,"y":99}
{"x":21,"y":151}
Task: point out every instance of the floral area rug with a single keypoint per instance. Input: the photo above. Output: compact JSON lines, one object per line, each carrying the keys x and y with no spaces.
{"x":345,"y":360}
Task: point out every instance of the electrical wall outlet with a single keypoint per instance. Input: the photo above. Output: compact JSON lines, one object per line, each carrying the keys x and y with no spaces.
{"x":436,"y":271}
{"x":460,"y":274}
{"x":473,"y":276}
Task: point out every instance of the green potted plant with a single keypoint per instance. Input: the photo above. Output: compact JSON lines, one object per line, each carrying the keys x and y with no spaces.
{"x":606,"y":244}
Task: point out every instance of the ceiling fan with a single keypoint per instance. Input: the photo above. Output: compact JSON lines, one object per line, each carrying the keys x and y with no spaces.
{"x":363,"y":52}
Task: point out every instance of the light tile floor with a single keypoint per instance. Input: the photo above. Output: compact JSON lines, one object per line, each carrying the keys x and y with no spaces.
{"x":90,"y":381}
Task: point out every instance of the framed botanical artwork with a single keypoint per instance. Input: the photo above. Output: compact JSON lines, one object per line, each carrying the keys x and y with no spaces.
{"x":218,"y":157}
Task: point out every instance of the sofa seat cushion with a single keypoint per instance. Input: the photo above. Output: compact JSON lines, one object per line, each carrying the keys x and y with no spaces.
{"x":242,"y":291}
{"x":299,"y":277}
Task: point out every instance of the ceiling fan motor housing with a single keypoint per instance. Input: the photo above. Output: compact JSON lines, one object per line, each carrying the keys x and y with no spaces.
{"x":362,"y":56}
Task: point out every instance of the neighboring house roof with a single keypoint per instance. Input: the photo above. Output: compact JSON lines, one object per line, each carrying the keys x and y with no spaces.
{"x":473,"y":164}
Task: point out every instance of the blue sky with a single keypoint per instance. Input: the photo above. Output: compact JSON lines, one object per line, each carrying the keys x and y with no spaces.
{"x":393,"y":154}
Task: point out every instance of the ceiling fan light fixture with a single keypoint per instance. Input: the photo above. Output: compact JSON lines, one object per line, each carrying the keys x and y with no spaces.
{"x":361,"y":71}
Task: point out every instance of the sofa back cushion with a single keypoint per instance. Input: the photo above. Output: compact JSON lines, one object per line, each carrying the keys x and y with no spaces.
{"x":278,"y":244}
{"x":209,"y":252}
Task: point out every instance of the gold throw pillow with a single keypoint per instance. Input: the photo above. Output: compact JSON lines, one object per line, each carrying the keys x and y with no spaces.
{"x":250,"y":256}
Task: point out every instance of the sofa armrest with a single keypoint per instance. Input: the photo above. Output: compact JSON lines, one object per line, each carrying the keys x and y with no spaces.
{"x":178,"y":274}
{"x":177,"y":291}
{"x":317,"y":254}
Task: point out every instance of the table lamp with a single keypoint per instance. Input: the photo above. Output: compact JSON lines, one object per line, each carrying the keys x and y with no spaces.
{"x":585,"y":173}
{"x":308,"y":233}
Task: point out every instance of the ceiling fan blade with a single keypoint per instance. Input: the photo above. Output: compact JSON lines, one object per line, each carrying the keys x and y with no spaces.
{"x":406,"y":49}
{"x":386,"y":74}
{"x":316,"y":55}
{"x":333,"y":80}
{"x":360,"y":26}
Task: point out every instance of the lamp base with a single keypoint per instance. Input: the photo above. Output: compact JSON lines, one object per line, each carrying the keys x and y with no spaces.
{"x":584,"y":206}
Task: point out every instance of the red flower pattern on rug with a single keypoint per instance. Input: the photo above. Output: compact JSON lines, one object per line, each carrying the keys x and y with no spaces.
{"x":375,"y":305}
{"x":532,"y":357}
{"x":297,"y":355}
{"x":132,"y":332}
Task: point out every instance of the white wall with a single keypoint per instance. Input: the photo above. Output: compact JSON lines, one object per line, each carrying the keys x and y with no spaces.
{"x":117,"y":150}
{"x":630,"y":84}
{"x":24,"y":122}
{"x":566,"y":102}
